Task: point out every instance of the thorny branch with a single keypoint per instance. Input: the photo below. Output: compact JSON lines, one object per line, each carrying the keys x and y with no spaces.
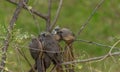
{"x":90,"y":17}
{"x":92,"y":59}
{"x":57,"y":15}
{"x":32,"y":10}
{"x":10,"y":28}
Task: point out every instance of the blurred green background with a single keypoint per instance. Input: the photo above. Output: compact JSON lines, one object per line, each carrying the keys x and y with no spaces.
{"x":104,"y":28}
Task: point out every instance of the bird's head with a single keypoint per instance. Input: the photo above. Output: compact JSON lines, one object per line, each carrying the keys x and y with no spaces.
{"x":56,"y":30}
{"x":44,"y":34}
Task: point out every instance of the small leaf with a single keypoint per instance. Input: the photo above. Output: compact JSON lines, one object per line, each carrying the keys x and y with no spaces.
{"x":29,"y":7}
{"x":6,"y":69}
{"x":79,"y":66}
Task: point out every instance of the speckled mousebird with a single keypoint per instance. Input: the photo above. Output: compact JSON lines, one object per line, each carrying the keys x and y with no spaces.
{"x":66,"y":35}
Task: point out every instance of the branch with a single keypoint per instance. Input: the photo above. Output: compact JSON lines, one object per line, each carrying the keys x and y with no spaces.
{"x":32,"y":10}
{"x":48,"y":20}
{"x":34,"y":17}
{"x":11,"y":25}
{"x":114,"y":46}
{"x":90,"y":17}
{"x":46,"y":51}
{"x":98,"y":44}
{"x":57,"y":15}
{"x":92,"y":59}
{"x":24,"y":56}
{"x":110,"y":51}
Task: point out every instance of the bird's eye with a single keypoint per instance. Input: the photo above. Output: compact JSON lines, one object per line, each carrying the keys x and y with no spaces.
{"x":44,"y":34}
{"x":57,"y":29}
{"x":60,"y":32}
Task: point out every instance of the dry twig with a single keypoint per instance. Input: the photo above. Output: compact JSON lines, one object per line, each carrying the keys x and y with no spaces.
{"x":57,"y":15}
{"x":90,"y":17}
{"x":32,"y":10}
{"x":34,"y":17}
{"x":92,"y":59}
{"x":48,"y":20}
{"x":98,"y":44}
{"x":24,"y":56}
{"x":10,"y":28}
{"x":109,"y":53}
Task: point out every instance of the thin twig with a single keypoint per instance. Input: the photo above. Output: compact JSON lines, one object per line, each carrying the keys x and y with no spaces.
{"x":34,"y":18}
{"x":48,"y":20}
{"x":10,"y":28}
{"x":114,"y":46}
{"x":57,"y":15}
{"x":91,"y":59}
{"x":98,"y":44}
{"x":24,"y":56}
{"x":109,"y":53}
{"x":32,"y":10}
{"x":18,"y":59}
{"x":47,"y":51}
{"x":90,"y":17}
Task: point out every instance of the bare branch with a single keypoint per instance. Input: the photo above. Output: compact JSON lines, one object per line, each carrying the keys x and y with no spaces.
{"x":57,"y":15}
{"x":91,"y":59}
{"x":34,"y":17}
{"x":47,"y":51}
{"x":98,"y":44}
{"x":11,"y":25}
{"x":32,"y":10}
{"x":24,"y":56}
{"x":109,"y":53}
{"x":48,"y":20}
{"x":90,"y":17}
{"x":114,"y":46}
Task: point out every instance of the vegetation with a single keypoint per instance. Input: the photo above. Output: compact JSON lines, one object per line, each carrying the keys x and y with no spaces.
{"x":103,"y":28}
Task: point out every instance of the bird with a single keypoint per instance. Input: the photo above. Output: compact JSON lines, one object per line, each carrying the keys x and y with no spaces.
{"x":45,"y":49}
{"x":68,"y":37}
{"x":63,"y":34}
{"x":51,"y":45}
{"x":34,"y":47}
